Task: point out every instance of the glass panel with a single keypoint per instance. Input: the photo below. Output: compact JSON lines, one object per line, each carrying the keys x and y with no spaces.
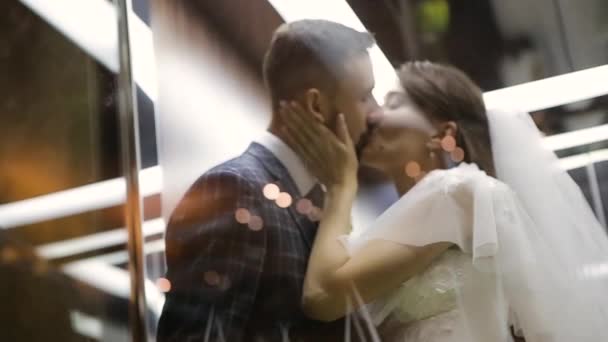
{"x":498,"y":43}
{"x":61,"y":205}
{"x":229,"y":236}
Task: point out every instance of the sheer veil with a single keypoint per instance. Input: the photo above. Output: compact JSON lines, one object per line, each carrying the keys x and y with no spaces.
{"x":559,"y":289}
{"x":537,"y":249}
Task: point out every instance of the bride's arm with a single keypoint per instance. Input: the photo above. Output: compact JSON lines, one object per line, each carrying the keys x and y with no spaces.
{"x":332,"y":276}
{"x":377,"y":268}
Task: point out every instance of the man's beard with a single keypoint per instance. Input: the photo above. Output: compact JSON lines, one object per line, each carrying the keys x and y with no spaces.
{"x":363,"y":141}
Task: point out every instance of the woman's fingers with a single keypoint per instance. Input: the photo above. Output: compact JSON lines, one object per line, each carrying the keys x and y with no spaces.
{"x":299,"y":143}
{"x":310,"y":131}
{"x":328,"y":154}
{"x":300,"y":139}
{"x":297,"y":123}
{"x":311,"y":158}
{"x":310,"y":123}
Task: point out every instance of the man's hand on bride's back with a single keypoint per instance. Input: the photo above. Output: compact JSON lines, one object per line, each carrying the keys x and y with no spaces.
{"x":329,"y":155}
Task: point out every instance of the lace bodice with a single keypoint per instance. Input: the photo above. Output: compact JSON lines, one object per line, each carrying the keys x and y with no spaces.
{"x":425,"y":308}
{"x":429,"y":293}
{"x":433,"y":291}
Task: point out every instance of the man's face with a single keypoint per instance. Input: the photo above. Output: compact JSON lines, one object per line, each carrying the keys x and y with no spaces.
{"x":354,"y":96}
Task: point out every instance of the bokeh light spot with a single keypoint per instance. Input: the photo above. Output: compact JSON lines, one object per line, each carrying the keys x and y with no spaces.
{"x":304,"y":206}
{"x":256,"y":223}
{"x":412,"y":169}
{"x":163,"y":284}
{"x":315,"y":214}
{"x":448,"y":143}
{"x":212,"y":278}
{"x":457,"y":155}
{"x":284,"y":200}
{"x":242,"y":216}
{"x":271,"y":191}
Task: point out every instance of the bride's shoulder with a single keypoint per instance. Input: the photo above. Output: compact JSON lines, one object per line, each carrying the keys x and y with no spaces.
{"x":465,"y":177}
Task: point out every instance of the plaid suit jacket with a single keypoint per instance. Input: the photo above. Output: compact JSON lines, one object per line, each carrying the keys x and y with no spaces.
{"x":238,"y":281}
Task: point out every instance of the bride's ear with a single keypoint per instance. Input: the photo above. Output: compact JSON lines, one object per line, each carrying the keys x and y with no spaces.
{"x":315,"y":103}
{"x":448,"y":128}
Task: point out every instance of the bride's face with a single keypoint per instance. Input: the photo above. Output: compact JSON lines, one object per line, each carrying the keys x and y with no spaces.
{"x":400,"y":137}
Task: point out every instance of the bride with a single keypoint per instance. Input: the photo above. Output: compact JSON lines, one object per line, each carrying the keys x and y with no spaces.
{"x":489,"y":240}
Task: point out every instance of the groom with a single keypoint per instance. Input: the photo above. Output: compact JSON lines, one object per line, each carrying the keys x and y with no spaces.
{"x":239,"y":241}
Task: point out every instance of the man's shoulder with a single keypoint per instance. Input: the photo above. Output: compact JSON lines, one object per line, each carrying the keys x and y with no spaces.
{"x":243,"y":168}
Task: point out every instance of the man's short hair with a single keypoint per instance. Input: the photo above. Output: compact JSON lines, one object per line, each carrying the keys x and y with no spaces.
{"x":310,"y":54}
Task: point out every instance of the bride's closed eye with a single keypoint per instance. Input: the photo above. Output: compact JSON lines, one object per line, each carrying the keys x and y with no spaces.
{"x":394,"y":100}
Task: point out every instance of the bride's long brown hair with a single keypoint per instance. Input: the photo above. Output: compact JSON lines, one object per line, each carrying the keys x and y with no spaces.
{"x":445,"y":93}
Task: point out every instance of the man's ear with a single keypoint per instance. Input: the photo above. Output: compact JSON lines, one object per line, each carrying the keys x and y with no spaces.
{"x":316,"y":103}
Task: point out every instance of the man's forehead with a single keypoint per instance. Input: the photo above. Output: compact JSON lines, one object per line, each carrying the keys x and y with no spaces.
{"x":358,"y":72}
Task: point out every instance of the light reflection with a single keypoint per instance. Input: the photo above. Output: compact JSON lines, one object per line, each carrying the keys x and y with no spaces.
{"x":271,"y":191}
{"x":256,"y":223}
{"x":284,"y":200}
{"x":595,"y":270}
{"x":304,"y":206}
{"x":212,"y":278}
{"x":77,"y":200}
{"x":163,"y":284}
{"x":457,"y":155}
{"x":242,"y":215}
{"x":448,"y":143}
{"x":315,"y":214}
{"x":412,"y":169}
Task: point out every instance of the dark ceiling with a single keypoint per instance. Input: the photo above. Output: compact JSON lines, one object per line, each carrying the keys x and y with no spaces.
{"x":248,"y":25}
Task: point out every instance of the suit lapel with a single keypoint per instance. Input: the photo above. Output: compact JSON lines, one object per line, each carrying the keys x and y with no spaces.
{"x":283,"y":179}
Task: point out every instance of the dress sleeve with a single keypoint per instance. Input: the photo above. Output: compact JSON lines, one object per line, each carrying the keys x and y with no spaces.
{"x":454,"y":206}
{"x":460,"y":206}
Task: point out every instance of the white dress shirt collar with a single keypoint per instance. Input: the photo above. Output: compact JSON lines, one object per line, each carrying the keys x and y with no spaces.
{"x":304,"y":180}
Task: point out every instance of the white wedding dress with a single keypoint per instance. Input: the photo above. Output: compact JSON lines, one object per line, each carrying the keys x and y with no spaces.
{"x":428,"y":307}
{"x":425,"y":309}
{"x":526,"y":251}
